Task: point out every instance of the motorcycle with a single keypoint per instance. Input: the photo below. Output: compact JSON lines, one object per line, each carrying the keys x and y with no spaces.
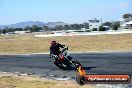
{"x":65,"y":61}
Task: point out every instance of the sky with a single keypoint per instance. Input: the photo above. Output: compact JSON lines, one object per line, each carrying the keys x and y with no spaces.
{"x":68,"y":11}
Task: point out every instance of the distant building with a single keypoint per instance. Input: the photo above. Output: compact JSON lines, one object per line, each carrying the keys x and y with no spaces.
{"x":129,"y":24}
{"x":126,"y":23}
{"x":94,"y":24}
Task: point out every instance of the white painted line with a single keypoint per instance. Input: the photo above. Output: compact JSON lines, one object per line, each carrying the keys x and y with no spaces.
{"x":83,"y":33}
{"x":62,"y":79}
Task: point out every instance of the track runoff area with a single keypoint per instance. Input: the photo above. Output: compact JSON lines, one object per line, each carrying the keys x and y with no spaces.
{"x":83,"y":77}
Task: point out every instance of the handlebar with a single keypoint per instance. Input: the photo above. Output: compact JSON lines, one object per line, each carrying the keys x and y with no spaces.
{"x":65,"y":48}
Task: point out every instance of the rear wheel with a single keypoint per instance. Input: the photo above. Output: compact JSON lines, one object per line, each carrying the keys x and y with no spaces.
{"x":76,"y":64}
{"x":81,"y":80}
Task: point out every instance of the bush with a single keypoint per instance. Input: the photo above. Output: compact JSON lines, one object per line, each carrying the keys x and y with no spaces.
{"x":101,"y":28}
{"x":115,"y":27}
{"x":94,"y":29}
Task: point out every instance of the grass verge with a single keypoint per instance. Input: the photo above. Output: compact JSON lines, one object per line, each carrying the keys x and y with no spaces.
{"x":30,"y":44}
{"x":32,"y":82}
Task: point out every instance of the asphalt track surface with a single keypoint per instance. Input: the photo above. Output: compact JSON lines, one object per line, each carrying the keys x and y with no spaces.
{"x":93,"y":63}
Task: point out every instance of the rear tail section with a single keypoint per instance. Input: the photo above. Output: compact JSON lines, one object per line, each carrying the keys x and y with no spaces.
{"x":80,"y":78}
{"x":81,"y":71}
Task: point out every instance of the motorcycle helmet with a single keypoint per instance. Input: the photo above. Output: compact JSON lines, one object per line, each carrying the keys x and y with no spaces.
{"x":53,"y":42}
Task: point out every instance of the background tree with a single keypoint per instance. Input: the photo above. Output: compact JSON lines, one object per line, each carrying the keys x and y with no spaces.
{"x":20,"y":29}
{"x":75,"y":26}
{"x":115,"y":25}
{"x":127,"y":15}
{"x":4,"y":31}
{"x":36,"y":28}
{"x":52,"y":28}
{"x":107,"y":24}
{"x":59,"y":27}
{"x":85,"y":25}
{"x":45,"y":28}
{"x":101,"y":28}
{"x":10,"y":30}
{"x":27,"y":28}
{"x":94,"y":29}
{"x":0,"y":31}
{"x":66,"y":27}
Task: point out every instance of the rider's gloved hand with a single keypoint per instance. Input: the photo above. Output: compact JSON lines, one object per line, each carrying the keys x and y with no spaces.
{"x":51,"y":55}
{"x":54,"y":56}
{"x":63,"y":46}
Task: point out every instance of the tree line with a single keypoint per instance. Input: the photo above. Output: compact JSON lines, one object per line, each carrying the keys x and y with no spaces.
{"x":113,"y":25}
{"x":36,"y":28}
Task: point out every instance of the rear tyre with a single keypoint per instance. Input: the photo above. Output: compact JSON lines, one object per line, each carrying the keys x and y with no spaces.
{"x":81,"y":80}
{"x":76,"y":64}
